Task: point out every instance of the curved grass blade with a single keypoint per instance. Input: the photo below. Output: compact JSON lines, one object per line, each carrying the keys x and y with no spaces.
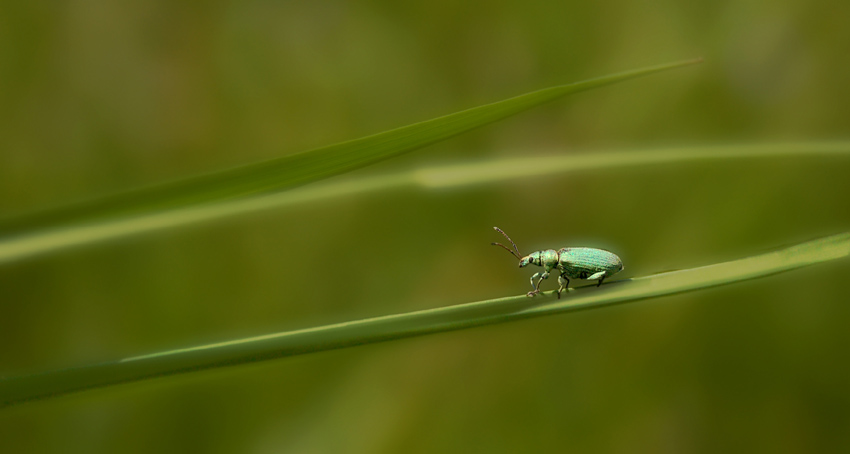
{"x":435,"y":177}
{"x":172,"y":199}
{"x":380,"y":329}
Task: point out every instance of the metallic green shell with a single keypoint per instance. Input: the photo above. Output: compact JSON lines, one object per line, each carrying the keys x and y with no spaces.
{"x":582,"y":262}
{"x":549,"y":257}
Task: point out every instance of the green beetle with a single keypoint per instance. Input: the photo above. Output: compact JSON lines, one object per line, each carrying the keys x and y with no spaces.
{"x":572,"y":263}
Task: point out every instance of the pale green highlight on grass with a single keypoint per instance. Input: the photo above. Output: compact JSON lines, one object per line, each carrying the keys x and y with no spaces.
{"x":20,"y":389}
{"x":436,"y":177}
{"x":518,"y":168}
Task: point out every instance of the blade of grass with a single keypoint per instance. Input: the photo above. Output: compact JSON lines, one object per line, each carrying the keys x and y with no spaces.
{"x":380,"y":329}
{"x":436,"y":177}
{"x":519,"y":168}
{"x":172,"y":199}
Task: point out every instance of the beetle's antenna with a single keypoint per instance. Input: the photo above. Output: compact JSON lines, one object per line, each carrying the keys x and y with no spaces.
{"x":507,"y":249}
{"x":515,"y":254}
{"x":509,"y":239}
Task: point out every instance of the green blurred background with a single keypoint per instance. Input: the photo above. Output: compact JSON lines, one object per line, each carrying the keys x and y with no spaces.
{"x":97,"y":97}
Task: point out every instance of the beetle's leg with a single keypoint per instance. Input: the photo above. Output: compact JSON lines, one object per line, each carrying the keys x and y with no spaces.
{"x":595,"y":276}
{"x":600,"y":275}
{"x":539,"y":277}
{"x":564,"y":281}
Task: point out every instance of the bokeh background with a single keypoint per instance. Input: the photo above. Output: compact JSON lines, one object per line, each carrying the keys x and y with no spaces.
{"x":97,"y":97}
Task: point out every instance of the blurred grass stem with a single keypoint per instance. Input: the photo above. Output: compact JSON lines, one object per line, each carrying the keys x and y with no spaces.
{"x":52,"y":239}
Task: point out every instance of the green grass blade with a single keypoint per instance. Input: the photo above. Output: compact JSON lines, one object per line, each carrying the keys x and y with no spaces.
{"x":41,"y":386}
{"x":309,"y":166}
{"x":54,"y":239}
{"x":174,"y":199}
{"x":525,"y":167}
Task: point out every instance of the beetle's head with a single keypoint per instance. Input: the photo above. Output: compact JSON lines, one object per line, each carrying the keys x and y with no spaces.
{"x":530,"y":259}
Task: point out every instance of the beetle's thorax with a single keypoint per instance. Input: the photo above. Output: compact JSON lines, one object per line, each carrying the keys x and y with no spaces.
{"x":547,"y":258}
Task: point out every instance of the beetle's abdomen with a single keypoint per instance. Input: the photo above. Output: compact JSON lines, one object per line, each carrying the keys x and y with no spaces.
{"x":582,"y":262}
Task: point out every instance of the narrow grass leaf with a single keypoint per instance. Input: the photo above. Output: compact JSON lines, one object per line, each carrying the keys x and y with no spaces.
{"x":50,"y":240}
{"x":20,"y":389}
{"x":87,"y":222}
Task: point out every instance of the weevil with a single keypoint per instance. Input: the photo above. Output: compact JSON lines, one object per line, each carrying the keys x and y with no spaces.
{"x":571,"y":262}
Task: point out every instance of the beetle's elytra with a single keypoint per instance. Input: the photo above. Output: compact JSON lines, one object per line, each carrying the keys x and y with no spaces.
{"x":572,"y":263}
